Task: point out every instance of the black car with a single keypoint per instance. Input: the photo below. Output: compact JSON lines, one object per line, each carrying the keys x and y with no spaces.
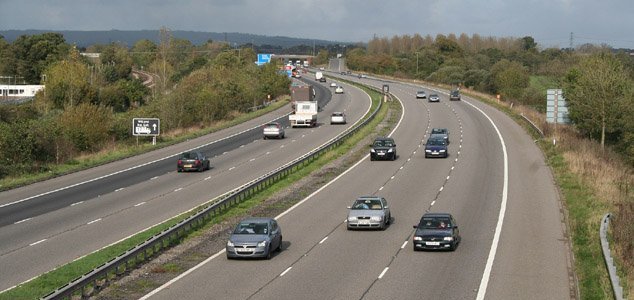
{"x":436,"y":231}
{"x":436,"y":147}
{"x":383,"y":148}
{"x":192,"y":161}
{"x":454,"y":95}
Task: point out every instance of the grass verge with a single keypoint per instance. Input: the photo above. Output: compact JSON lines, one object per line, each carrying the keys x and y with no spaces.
{"x":49,"y":281}
{"x":128,"y":149}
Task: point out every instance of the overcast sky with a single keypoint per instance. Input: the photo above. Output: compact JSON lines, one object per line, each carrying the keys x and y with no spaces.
{"x":550,"y":22}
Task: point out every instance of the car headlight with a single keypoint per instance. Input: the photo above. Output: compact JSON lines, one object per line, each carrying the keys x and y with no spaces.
{"x":441,"y":151}
{"x":230,"y":244}
{"x":352,"y":219}
{"x":427,"y":150}
{"x":262,"y":244}
{"x":418,"y":238}
{"x":376,"y":218}
{"x":390,"y":150}
{"x":448,"y":238}
{"x":372,"y":150}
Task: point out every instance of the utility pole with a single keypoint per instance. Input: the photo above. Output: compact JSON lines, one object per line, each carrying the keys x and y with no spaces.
{"x":571,"y":41}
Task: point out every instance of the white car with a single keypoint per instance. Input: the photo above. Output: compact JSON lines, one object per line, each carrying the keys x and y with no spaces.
{"x":338,"y":118}
{"x":273,"y":130}
{"x":333,"y":84}
{"x":339,"y":90}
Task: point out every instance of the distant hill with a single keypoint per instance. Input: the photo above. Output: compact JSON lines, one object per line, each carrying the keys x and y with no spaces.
{"x":129,"y":38}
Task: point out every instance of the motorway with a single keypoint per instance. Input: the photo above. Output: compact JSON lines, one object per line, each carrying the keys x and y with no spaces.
{"x":495,"y":183}
{"x":48,"y":224}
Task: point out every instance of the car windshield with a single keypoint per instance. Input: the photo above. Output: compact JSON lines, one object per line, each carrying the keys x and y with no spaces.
{"x":272,"y":125}
{"x":374,"y":204}
{"x":383,"y":143}
{"x":337,"y":114}
{"x":421,"y":92}
{"x":436,"y":142}
{"x":251,"y":228}
{"x":438,"y":130}
{"x":434,"y":223}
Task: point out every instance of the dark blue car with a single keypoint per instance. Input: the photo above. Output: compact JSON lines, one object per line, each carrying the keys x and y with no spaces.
{"x":436,"y":147}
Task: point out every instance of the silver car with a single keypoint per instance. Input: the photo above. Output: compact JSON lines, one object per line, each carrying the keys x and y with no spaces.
{"x":274,"y":129}
{"x":254,"y":237}
{"x":421,"y":95}
{"x":369,"y":212}
{"x":433,"y":98}
{"x":440,"y":132}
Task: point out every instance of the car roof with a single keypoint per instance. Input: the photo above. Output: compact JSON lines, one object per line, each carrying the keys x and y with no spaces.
{"x":369,"y":198}
{"x":256,"y":220}
{"x":440,"y":215}
{"x":382,"y":138}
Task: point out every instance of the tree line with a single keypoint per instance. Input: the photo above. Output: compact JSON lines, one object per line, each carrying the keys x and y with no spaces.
{"x":88,"y":104}
{"x":597,"y":81}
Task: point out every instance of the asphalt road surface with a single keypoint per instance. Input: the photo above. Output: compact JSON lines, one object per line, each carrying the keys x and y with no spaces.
{"x":51,"y":223}
{"x":494,"y":182}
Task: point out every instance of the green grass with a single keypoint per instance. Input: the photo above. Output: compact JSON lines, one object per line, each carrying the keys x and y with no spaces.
{"x":127,"y":149}
{"x":48,"y":282}
{"x":543,"y":83}
{"x":584,"y":229}
{"x":581,"y":204}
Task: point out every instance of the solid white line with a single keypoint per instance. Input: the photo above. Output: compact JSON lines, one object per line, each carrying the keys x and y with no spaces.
{"x":119,"y":189}
{"x":484,"y":282}
{"x":178,"y":189}
{"x":182,"y":275}
{"x":77,"y":203}
{"x":40,"y":241}
{"x":132,"y":168}
{"x":383,"y":273}
{"x":139,"y":204}
{"x":323,"y":240}
{"x":22,"y":221}
{"x":157,"y":290}
{"x":285,"y":271}
{"x":93,"y":221}
{"x":403,"y":246}
{"x":154,"y":177}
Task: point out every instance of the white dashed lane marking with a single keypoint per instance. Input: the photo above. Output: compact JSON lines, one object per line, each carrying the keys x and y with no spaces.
{"x":139,"y":204}
{"x":40,"y":241}
{"x":93,"y":221}
{"x":22,"y":221}
{"x":77,"y":203}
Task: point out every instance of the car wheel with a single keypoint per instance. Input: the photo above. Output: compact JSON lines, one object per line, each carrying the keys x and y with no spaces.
{"x":371,"y":158}
{"x":264,"y":137}
{"x":279,"y":247}
{"x":282,"y":136}
{"x":389,"y":219}
{"x":179,"y":170}
{"x":268,"y":254}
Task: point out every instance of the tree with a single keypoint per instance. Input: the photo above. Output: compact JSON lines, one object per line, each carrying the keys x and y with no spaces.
{"x":68,"y":83}
{"x":598,"y":91}
{"x":510,"y":78}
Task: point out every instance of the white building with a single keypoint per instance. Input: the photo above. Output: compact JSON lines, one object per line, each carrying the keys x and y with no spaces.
{"x":18,"y":91}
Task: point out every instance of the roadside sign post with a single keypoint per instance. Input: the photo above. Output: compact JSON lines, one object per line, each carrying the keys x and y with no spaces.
{"x":146,"y":127}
